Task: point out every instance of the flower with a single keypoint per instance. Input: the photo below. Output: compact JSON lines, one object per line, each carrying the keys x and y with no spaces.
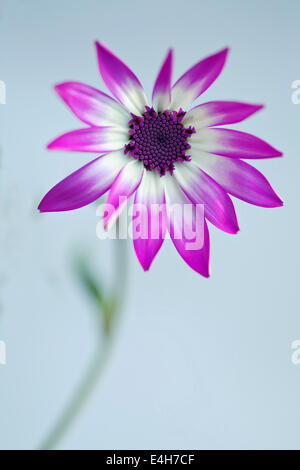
{"x":165,"y":154}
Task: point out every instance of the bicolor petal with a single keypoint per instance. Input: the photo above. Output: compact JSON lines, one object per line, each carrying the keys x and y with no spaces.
{"x":215,"y":113}
{"x":161,"y":96}
{"x":121,"y":81}
{"x":197,"y":79}
{"x":231,"y":143}
{"x":91,"y":139}
{"x":187,"y":227}
{"x":200,"y":188}
{"x":125,"y":184}
{"x":84,"y":185}
{"x":239,"y":179}
{"x":149,"y":219}
{"x":92,"y":106}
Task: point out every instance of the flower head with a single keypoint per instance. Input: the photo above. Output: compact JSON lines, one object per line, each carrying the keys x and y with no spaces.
{"x":165,"y":153}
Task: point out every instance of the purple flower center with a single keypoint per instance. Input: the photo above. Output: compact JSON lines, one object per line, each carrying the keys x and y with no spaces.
{"x":159,"y":139}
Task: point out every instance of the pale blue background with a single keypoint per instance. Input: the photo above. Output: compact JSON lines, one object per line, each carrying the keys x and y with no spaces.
{"x":198,"y":364}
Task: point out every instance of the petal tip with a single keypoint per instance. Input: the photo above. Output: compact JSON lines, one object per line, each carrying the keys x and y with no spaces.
{"x":236,"y":226}
{"x":275,"y":152}
{"x":234,"y":230}
{"x":61,"y":88}
{"x":203,"y":271}
{"x":58,"y":86}
{"x":45,"y":204}
{"x":145,"y":267}
{"x":41,"y":207}
{"x":256,"y":108}
{"x":144,"y":263}
{"x":170,"y":56}
{"x":206,"y":274}
{"x":52,"y":145}
{"x":170,"y":52}
{"x":100,"y":48}
{"x":220,"y":57}
{"x":224,"y":52}
{"x":278,"y":202}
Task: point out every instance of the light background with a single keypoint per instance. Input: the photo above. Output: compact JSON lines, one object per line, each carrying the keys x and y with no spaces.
{"x":198,"y":364}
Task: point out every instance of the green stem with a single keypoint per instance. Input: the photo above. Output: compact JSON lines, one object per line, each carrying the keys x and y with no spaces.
{"x":80,"y":397}
{"x":97,"y":365}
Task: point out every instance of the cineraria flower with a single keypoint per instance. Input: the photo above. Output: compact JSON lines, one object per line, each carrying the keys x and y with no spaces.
{"x":165,"y":154}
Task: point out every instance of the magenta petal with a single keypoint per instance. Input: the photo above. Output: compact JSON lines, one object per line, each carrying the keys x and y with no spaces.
{"x":161,"y":95}
{"x":202,"y":189}
{"x":125,"y":184}
{"x":231,"y":143}
{"x":84,"y":185}
{"x":197,"y":79}
{"x":239,"y":179}
{"x":121,"y":81}
{"x":91,"y":139}
{"x":215,"y":113}
{"x":197,"y":259}
{"x":92,"y":106}
{"x":149,"y":220}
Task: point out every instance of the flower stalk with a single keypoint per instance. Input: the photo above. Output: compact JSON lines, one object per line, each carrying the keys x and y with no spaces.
{"x":109,"y":310}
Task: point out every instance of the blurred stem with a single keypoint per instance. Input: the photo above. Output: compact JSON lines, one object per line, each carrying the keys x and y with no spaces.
{"x":111,"y":310}
{"x":79,"y":399}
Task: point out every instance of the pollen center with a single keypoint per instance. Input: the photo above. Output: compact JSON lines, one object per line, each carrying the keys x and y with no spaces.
{"x":159,"y":139}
